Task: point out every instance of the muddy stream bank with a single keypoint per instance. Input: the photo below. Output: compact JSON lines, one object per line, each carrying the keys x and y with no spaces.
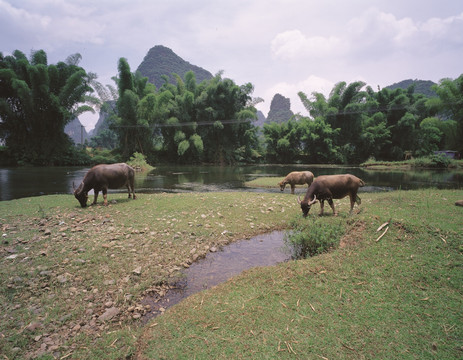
{"x":217,"y":267}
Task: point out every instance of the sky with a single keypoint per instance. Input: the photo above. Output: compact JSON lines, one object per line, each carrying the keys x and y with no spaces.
{"x":280,"y":46}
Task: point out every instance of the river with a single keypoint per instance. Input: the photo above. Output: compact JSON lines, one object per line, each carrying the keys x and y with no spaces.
{"x":35,"y":181}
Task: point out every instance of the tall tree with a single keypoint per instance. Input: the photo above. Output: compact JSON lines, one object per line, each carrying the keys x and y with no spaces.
{"x":319,"y":141}
{"x":37,"y":100}
{"x":283,"y":141}
{"x":229,"y":108}
{"x":133,"y":131}
{"x":449,"y":106}
{"x":342,"y":110}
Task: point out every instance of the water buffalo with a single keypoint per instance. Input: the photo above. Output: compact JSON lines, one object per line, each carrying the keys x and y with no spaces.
{"x":296,"y":178}
{"x":103,"y":177}
{"x":329,"y":187}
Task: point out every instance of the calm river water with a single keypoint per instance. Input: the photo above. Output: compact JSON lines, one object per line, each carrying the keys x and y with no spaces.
{"x":34,"y":181}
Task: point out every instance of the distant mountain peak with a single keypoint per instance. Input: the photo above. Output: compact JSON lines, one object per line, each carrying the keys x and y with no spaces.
{"x":161,"y":60}
{"x":280,"y":109}
{"x":421,"y":86}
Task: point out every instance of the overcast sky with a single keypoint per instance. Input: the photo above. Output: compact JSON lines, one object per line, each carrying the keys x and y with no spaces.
{"x":280,"y":46}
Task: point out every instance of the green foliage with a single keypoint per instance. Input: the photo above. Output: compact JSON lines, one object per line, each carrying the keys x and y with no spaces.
{"x":353,"y":124}
{"x":102,"y":156}
{"x":449,"y":105}
{"x":132,"y":129}
{"x":37,"y":100}
{"x":138,"y":161}
{"x":439,"y":161}
{"x":309,"y":237}
{"x":211,"y":121}
{"x":283,"y":141}
{"x":105,"y":139}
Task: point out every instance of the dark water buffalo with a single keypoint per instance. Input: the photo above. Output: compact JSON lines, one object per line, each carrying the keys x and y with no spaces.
{"x":103,"y":177}
{"x":329,"y":187}
{"x":296,"y":178}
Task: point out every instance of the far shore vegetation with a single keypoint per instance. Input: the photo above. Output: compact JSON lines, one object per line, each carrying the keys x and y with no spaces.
{"x":213,"y":121}
{"x":386,"y":283}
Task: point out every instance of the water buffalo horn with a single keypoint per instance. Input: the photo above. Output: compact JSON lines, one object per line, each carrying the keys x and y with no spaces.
{"x":313,"y":201}
{"x":298,"y":200}
{"x":73,"y":186}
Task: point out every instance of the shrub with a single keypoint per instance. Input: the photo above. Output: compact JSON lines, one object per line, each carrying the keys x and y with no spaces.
{"x":310,"y":238}
{"x":138,"y":161}
{"x":440,"y":161}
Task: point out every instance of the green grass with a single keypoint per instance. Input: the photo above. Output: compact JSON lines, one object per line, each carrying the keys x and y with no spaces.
{"x":265,"y":182}
{"x":270,"y":182}
{"x":399,"y":297}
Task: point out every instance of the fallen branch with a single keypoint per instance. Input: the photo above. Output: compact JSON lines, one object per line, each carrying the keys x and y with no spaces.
{"x":312,"y":307}
{"x":382,"y":226}
{"x":385,"y":231}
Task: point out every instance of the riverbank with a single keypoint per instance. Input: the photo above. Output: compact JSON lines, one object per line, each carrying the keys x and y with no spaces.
{"x":432,"y":162}
{"x":72,"y":279}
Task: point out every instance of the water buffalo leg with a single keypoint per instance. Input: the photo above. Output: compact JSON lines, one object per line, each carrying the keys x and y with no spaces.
{"x":105,"y":196}
{"x":322,"y":206}
{"x":354,"y":199}
{"x":131,"y":182}
{"x":95,"y":197}
{"x":292,"y":188}
{"x":330,"y":201}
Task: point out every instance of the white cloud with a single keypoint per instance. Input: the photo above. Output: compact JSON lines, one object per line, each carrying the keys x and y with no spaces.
{"x":309,"y":85}
{"x":13,"y":15}
{"x":374,"y":26}
{"x":293,"y":44}
{"x":280,"y":46}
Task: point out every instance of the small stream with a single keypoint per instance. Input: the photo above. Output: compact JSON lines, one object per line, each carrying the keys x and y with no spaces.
{"x":218,"y":267}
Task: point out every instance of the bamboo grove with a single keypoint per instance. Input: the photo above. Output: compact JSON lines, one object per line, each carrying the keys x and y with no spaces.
{"x":213,"y":121}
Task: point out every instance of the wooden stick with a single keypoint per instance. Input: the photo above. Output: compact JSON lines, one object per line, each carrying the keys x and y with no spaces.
{"x":385,"y":231}
{"x":382,"y":226}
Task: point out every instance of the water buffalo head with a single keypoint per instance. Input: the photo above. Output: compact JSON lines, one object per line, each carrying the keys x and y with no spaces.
{"x":305,"y":206}
{"x":81,"y":195}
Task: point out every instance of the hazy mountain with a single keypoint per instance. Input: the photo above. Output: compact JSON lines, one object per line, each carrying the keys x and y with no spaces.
{"x":280,"y":109}
{"x":260,"y":119}
{"x":161,"y":60}
{"x":421,"y":86}
{"x":76,"y":131}
{"x":101,"y":123}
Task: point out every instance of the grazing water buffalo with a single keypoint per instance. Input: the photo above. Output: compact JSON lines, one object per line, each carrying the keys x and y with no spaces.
{"x":103,"y":177}
{"x":296,"y":178}
{"x":329,"y":187}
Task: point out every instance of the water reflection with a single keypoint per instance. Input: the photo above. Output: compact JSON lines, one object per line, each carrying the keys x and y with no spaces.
{"x":31,"y":181}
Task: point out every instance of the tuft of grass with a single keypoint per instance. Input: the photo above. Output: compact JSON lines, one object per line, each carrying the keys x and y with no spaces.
{"x":312,"y":237}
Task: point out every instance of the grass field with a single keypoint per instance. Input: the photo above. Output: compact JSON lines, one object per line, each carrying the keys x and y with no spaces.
{"x":72,"y":279}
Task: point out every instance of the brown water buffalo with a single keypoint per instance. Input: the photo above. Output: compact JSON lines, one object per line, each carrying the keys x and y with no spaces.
{"x":329,"y":187}
{"x":296,"y":178}
{"x":103,"y":177}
